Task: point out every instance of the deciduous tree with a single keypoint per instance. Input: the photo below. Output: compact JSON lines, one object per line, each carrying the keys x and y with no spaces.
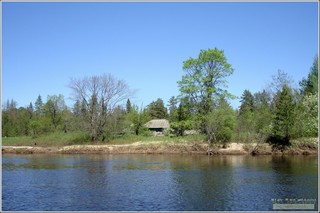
{"x":205,"y":80}
{"x":100,"y":95}
{"x":221,"y":123}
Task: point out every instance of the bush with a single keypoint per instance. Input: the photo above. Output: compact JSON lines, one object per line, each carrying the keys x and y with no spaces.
{"x":220,"y":123}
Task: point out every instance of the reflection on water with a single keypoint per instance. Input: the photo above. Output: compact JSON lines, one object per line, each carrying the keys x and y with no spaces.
{"x":154,"y":182}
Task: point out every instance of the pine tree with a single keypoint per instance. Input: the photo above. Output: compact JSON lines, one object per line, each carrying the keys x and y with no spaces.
{"x":172,"y":107}
{"x":128,"y":106}
{"x":181,"y":119}
{"x":157,"y":110}
{"x":245,"y":117}
{"x":310,"y":85}
{"x":283,"y":119}
{"x":39,"y":107}
{"x":247,"y":100}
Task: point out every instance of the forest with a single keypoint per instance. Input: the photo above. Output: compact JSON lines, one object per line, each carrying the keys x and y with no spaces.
{"x":102,"y":110}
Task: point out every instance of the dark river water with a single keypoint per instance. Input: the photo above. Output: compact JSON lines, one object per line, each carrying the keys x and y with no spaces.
{"x":155,"y":182}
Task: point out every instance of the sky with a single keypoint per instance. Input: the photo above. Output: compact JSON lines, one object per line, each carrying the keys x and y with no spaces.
{"x":44,"y":45}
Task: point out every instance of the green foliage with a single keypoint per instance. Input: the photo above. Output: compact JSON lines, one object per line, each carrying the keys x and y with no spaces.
{"x":54,"y":109}
{"x":39,"y":106}
{"x":101,"y":113}
{"x":15,"y":121}
{"x":247,"y":100}
{"x":172,"y":108}
{"x":307,"y":115}
{"x":221,"y":123}
{"x":157,"y":110}
{"x":310,"y":85}
{"x":204,"y":81}
{"x":283,"y":115}
{"x":128,"y":106}
{"x":136,"y":120}
{"x":245,"y":119}
{"x":41,"y":126}
{"x":115,"y":124}
{"x":179,"y":127}
{"x":181,"y":119}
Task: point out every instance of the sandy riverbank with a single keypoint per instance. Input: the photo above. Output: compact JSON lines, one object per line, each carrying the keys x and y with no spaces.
{"x":157,"y":147}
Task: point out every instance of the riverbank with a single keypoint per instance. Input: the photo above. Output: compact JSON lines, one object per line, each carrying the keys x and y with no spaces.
{"x":162,"y":147}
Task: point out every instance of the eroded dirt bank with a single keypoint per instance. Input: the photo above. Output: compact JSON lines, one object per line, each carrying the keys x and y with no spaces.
{"x":160,"y":148}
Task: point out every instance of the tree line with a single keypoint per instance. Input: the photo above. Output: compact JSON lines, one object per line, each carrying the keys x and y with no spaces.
{"x":103,"y":110}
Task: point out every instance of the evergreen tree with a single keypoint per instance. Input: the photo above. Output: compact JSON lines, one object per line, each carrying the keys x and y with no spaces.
{"x":157,"y":110}
{"x":310,"y":85}
{"x":172,"y":107}
{"x":39,"y":106}
{"x":181,"y":119}
{"x":245,"y":124}
{"x":30,"y":110}
{"x":247,"y":100}
{"x":128,"y":106}
{"x":283,"y":119}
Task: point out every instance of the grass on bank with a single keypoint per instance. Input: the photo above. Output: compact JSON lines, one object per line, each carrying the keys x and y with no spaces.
{"x":53,"y":139}
{"x":80,"y":138}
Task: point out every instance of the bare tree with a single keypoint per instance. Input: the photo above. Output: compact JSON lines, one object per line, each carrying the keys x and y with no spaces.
{"x":101,"y":95}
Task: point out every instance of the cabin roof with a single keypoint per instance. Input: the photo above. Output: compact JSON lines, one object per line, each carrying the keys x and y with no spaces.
{"x":158,"y":123}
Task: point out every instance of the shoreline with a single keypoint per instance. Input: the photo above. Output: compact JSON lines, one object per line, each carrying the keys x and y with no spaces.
{"x":159,"y":148}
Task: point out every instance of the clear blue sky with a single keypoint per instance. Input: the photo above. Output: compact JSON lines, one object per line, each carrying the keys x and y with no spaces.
{"x":45,"y":44}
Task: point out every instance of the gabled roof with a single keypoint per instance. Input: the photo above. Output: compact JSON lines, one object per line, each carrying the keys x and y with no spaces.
{"x":158,"y":123}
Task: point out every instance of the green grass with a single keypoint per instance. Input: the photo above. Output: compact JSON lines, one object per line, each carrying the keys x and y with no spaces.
{"x":53,"y":139}
{"x":79,"y":138}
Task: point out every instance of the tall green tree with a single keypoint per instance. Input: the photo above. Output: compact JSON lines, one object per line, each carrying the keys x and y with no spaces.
{"x":54,"y":108}
{"x":39,"y":106}
{"x":283,"y":115}
{"x":306,"y":113}
{"x":247,"y":102}
{"x":173,"y":101}
{"x":157,"y":110}
{"x":262,"y":112}
{"x":245,"y":124}
{"x":136,"y":120}
{"x":10,"y":119}
{"x":128,"y":106}
{"x":205,"y":81}
{"x":181,"y":119}
{"x":310,"y":85}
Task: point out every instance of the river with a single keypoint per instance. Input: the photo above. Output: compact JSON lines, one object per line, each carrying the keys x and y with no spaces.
{"x":155,"y":182}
